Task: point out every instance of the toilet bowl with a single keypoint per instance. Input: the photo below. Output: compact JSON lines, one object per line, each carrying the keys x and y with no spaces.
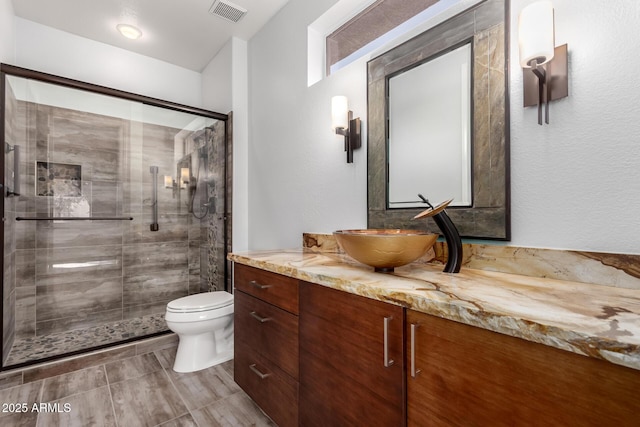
{"x":204,"y":325}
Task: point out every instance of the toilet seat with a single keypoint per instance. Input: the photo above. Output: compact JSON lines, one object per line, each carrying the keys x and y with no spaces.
{"x":200,"y":302}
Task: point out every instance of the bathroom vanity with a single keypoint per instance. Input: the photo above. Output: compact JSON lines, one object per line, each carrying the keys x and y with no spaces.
{"x":422,"y":346}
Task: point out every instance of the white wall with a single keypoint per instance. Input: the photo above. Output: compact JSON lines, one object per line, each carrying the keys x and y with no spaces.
{"x":216,"y":89}
{"x":7,"y":40}
{"x":575,"y":183}
{"x":298,"y":176}
{"x":45,"y":49}
{"x":240,"y":103}
{"x":225,"y":89}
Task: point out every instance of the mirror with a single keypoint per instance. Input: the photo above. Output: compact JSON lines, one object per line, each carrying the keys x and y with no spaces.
{"x":429,"y":145}
{"x":403,"y":125}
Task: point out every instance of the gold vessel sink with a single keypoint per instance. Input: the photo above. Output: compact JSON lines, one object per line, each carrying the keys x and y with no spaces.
{"x":385,"y":249}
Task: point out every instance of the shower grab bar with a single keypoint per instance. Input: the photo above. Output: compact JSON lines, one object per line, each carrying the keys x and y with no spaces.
{"x":75,"y":218}
{"x":154,"y":198}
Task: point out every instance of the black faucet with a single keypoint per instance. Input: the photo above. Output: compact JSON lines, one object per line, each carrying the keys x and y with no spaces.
{"x":450,"y":232}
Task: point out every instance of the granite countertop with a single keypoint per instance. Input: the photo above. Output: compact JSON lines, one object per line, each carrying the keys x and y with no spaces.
{"x":592,"y":320}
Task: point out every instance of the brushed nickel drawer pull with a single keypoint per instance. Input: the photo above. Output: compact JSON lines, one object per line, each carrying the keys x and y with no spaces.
{"x":258,"y":285}
{"x":414,"y":371}
{"x":387,"y":362}
{"x":259,"y":318}
{"x":257,"y":372}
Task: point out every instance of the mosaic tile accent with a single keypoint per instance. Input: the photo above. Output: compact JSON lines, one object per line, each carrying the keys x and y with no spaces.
{"x":35,"y":348}
{"x":58,"y":179}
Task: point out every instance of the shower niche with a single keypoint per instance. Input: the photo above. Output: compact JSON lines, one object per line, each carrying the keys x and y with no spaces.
{"x":114,"y":204}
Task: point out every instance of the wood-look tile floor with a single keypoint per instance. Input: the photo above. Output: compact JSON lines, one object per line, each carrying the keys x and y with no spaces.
{"x":139,"y":391}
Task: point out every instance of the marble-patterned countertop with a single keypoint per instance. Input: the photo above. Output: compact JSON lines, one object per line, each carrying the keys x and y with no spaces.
{"x":593,"y":320}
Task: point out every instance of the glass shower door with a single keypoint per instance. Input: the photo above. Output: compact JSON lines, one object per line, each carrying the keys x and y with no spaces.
{"x":113,"y":208}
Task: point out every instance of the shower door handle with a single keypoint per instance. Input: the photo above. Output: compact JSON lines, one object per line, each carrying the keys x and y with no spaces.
{"x":16,"y":169}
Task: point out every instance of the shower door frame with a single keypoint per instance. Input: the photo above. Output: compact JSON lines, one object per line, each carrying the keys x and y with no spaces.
{"x":12,"y":70}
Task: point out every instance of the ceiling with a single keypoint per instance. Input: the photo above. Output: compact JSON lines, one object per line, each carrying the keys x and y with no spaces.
{"x":181,"y":32}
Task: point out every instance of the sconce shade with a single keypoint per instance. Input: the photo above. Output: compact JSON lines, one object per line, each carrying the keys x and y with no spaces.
{"x":339,"y":112}
{"x":185,"y":177}
{"x":168,"y":181}
{"x":536,"y":36}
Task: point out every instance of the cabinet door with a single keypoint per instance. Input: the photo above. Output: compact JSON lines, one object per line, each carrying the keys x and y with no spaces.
{"x":473,"y":377}
{"x":343,"y":377}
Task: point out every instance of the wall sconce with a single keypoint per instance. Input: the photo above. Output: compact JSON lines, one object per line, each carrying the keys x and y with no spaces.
{"x":344,"y":124}
{"x":169,"y":182}
{"x":185,"y":177}
{"x":545,"y":75}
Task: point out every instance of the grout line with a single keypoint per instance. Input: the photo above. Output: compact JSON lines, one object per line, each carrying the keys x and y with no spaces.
{"x":113,"y":405}
{"x":175,"y":387}
{"x":40,"y":394}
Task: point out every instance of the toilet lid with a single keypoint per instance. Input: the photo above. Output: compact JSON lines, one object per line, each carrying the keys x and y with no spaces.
{"x":201,"y":302}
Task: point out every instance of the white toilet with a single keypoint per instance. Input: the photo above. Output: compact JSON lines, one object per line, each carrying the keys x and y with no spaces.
{"x":204,"y":324}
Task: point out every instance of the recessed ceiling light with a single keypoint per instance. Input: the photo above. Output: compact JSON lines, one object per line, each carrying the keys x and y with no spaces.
{"x":129,"y":31}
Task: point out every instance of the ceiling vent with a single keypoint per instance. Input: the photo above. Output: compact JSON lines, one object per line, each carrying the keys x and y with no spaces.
{"x":227,"y":10}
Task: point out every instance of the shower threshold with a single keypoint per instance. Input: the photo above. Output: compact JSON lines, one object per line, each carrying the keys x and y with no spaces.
{"x":35,"y":349}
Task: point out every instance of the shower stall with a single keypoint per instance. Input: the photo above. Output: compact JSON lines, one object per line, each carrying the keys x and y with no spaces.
{"x":113,"y":205}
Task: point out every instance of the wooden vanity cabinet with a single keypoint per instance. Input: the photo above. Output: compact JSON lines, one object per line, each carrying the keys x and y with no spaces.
{"x":266,"y":341}
{"x":343,"y":377}
{"x":469,"y":376}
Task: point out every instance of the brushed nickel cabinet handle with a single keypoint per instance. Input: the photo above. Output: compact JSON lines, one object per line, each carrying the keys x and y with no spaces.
{"x":387,"y":362}
{"x":259,"y":318}
{"x":414,"y":372}
{"x":257,"y":372}
{"x":259,"y":285}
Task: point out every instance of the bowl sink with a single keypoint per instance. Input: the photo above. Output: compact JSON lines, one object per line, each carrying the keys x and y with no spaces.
{"x":385,"y":249}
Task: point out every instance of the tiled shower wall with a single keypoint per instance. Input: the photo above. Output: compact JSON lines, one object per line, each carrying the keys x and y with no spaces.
{"x":76,"y":274}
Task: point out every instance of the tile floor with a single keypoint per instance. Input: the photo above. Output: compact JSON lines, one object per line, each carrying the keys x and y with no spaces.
{"x":138,"y":391}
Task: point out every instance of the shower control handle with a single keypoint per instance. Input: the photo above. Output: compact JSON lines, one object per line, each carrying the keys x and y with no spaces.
{"x":257,"y":372}
{"x":259,"y":318}
{"x":259,"y":285}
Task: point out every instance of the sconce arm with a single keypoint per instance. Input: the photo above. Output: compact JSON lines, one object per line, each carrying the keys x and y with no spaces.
{"x":352,"y":138}
{"x":541,"y":74}
{"x":342,"y":131}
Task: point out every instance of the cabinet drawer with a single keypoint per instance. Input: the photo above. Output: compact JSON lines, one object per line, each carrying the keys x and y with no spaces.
{"x":273,"y":288}
{"x":273,"y":390}
{"x":268,"y":330}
